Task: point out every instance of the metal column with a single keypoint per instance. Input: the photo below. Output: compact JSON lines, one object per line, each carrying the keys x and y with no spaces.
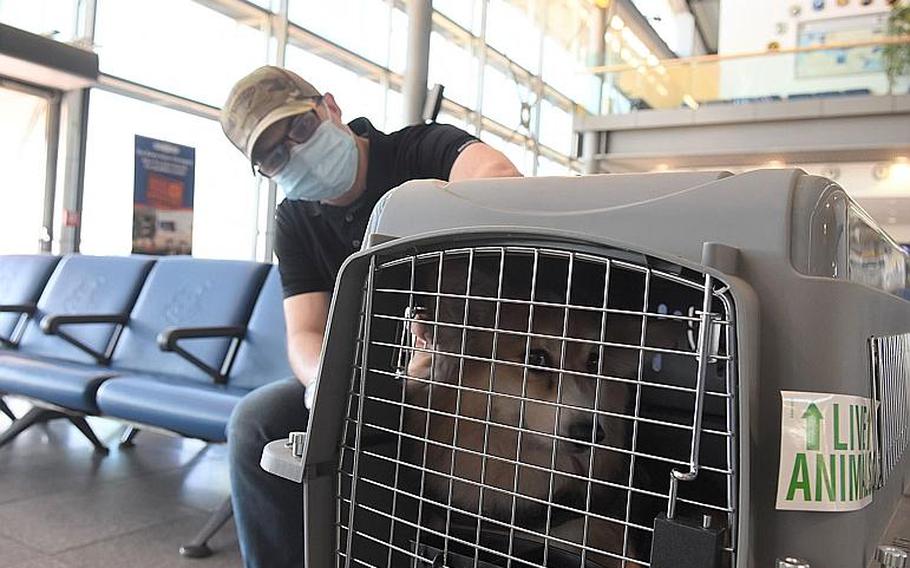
{"x":50,"y":176}
{"x":71,"y":156}
{"x":265,"y":238}
{"x":420,"y":22}
{"x":597,"y":57}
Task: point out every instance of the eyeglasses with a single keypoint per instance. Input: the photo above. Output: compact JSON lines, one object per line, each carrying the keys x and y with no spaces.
{"x":300,"y":129}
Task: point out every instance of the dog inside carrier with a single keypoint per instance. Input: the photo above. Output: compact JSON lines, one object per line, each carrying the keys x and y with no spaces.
{"x":596,"y":379}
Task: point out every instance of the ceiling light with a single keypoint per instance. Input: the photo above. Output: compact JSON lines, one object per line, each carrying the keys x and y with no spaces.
{"x":899,"y":172}
{"x":690,"y":101}
{"x":616,"y":23}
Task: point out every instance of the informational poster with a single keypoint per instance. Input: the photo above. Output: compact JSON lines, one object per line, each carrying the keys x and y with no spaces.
{"x":826,"y":452}
{"x":163,"y":197}
{"x":841,"y":61}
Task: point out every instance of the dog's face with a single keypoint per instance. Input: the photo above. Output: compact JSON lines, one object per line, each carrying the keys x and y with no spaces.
{"x":526,"y":396}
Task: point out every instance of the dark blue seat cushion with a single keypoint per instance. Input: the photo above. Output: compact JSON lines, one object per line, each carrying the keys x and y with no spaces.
{"x":191,"y":408}
{"x":71,"y":385}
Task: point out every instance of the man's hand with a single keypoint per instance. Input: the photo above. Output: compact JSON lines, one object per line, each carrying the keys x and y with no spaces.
{"x":482,"y":161}
{"x":306,"y":316}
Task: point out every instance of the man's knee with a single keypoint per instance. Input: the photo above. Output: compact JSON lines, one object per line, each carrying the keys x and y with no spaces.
{"x":268,"y":413}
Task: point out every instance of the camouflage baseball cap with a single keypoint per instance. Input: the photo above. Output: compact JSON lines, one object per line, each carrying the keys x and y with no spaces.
{"x":261,"y":99}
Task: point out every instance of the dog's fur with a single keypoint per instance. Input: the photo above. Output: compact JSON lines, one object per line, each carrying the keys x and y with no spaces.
{"x":450,"y":375}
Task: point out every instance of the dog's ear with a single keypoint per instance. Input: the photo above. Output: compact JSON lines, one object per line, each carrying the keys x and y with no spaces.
{"x":421,"y":338}
{"x":421,"y":332}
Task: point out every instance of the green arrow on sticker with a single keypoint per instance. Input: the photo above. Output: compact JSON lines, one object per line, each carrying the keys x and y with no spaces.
{"x":813,"y":418}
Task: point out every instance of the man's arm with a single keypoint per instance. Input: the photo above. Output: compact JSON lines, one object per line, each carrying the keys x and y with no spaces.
{"x":306,"y":316}
{"x":479,"y":160}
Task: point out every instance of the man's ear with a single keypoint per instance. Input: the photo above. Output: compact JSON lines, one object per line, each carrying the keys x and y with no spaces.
{"x":333,"y":107}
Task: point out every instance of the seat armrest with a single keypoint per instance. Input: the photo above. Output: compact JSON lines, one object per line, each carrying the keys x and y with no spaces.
{"x":51,"y":324}
{"x":167,"y":339}
{"x":17,"y":308}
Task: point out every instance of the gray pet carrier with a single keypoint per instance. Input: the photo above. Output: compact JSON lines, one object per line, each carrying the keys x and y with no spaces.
{"x":669,"y":370}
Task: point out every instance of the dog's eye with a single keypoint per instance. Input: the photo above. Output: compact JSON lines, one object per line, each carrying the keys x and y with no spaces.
{"x":593,"y":361}
{"x":539,"y":358}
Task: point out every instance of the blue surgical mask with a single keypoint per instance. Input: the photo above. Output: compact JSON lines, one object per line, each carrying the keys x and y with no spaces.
{"x":322,"y":168}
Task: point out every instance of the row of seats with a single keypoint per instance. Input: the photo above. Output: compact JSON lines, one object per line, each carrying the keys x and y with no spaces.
{"x":173,"y":343}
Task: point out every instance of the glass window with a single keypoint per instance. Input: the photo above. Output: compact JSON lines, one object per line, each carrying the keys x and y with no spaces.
{"x":513,"y":31}
{"x":516,"y":151}
{"x":446,"y":118}
{"x":466,"y":13}
{"x":455,"y":67}
{"x":566,"y":51}
{"x":555,"y":127}
{"x":394,"y":109}
{"x":547,"y":167}
{"x":398,"y":36}
{"x":503,"y":97}
{"x":361,"y":26}
{"x":178,"y":46}
{"x":356,"y":95}
{"x":23,"y":155}
{"x":52,"y":18}
{"x":224,"y":211}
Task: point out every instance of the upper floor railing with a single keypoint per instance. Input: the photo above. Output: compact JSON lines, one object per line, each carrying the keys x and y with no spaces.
{"x":834,"y":69}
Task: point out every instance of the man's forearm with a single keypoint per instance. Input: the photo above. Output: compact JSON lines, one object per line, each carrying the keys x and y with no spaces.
{"x":303,"y":351}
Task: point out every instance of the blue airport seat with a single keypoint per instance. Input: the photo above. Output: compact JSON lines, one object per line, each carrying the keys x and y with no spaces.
{"x":22,"y":278}
{"x":179,"y":292}
{"x":60,"y":360}
{"x":201,"y":409}
{"x":47,"y":367}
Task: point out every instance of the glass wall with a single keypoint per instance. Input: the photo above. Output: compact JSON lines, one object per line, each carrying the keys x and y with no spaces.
{"x":520,"y":68}
{"x":225,"y":189}
{"x":513,"y":72}
{"x":23,"y":155}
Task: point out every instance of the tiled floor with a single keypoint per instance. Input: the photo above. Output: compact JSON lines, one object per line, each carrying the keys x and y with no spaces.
{"x":63,"y":506}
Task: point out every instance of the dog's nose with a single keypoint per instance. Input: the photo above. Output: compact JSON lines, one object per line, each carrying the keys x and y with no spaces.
{"x":587,"y":431}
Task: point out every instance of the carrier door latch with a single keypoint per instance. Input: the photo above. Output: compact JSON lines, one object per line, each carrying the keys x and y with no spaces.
{"x":681,"y":543}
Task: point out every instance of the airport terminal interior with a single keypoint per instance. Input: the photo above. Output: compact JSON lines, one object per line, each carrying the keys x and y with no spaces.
{"x":658,"y":317}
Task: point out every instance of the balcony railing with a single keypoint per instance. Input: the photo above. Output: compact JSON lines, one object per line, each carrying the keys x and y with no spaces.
{"x":831,"y":70}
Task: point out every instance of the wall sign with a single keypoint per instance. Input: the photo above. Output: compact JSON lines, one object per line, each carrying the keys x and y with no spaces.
{"x":163,"y":197}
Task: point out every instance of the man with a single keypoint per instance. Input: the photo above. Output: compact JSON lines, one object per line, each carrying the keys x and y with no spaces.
{"x":332,"y":175}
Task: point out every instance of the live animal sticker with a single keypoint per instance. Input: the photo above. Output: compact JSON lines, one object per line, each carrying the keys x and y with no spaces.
{"x":826,"y":457}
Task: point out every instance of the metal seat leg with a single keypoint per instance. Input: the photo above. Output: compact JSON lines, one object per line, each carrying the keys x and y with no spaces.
{"x":198,"y":547}
{"x":126,"y":439}
{"x":82,"y":424}
{"x":6,"y":409}
{"x":34,"y":416}
{"x":38,"y":415}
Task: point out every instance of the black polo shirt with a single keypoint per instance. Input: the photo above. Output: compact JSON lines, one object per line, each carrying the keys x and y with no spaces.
{"x":313,"y":239}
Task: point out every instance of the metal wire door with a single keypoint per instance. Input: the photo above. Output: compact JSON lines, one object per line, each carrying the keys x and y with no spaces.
{"x":527,"y":406}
